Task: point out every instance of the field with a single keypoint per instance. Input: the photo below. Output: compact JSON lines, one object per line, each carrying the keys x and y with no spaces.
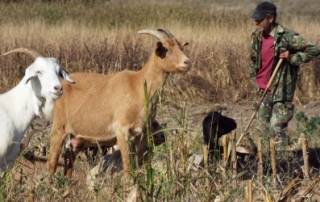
{"x":101,"y":36}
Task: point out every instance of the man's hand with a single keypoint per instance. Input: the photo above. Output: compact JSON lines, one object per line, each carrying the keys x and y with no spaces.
{"x":284,"y":55}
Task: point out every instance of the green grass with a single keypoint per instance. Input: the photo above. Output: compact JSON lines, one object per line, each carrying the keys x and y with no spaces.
{"x":4,"y":182}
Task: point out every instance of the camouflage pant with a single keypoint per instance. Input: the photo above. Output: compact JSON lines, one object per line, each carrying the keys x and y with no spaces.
{"x":273,"y":118}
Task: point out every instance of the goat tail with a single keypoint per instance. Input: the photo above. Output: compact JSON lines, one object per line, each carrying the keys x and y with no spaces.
{"x":30,"y":52}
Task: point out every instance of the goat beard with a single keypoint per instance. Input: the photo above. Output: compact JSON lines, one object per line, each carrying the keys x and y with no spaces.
{"x":47,"y":109}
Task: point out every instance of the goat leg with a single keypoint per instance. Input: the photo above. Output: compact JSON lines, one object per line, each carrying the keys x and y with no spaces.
{"x":56,"y":143}
{"x":122,"y":141}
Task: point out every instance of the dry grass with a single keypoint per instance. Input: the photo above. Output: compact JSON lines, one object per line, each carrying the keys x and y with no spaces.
{"x":100,"y":36}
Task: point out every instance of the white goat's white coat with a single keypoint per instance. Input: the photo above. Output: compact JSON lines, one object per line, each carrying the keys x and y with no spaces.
{"x":33,"y":96}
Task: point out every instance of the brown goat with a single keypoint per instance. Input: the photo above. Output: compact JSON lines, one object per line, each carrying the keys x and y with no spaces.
{"x":109,"y":109}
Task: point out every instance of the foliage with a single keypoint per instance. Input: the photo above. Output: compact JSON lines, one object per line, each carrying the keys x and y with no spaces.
{"x":4,"y":182}
{"x":308,"y":126}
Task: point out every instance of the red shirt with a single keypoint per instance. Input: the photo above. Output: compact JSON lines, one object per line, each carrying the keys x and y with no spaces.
{"x":267,"y":58}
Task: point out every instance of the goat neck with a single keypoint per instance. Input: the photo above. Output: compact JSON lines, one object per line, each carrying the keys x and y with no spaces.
{"x":154,"y":75}
{"x":23,"y":104}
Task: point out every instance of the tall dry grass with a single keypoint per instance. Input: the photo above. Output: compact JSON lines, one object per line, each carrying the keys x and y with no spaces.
{"x":101,"y":36}
{"x":103,"y":39}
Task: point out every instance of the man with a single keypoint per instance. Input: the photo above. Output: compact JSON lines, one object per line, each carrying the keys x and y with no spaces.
{"x":270,"y":42}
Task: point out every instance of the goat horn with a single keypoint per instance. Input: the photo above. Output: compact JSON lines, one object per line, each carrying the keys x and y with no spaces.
{"x":32,"y":53}
{"x":170,"y":35}
{"x":161,"y":34}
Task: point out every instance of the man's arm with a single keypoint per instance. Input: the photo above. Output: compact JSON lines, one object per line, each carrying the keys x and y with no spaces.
{"x":253,"y":66}
{"x":301,"y":51}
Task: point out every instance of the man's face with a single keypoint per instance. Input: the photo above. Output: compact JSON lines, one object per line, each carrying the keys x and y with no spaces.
{"x":265,"y":24}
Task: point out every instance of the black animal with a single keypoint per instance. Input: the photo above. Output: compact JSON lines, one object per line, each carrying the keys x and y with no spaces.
{"x":214,"y":126}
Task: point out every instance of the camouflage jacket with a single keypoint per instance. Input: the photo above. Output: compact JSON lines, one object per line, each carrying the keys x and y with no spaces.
{"x":300,"y":52}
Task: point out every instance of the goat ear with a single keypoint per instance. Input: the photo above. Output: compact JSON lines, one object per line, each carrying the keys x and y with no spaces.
{"x":161,"y":51}
{"x":30,"y":75}
{"x":64,"y":74}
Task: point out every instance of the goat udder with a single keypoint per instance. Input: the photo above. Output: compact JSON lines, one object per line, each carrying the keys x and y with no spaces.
{"x":76,"y":143}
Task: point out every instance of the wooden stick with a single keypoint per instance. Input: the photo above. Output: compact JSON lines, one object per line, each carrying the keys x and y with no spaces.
{"x":304,"y":145}
{"x":225,"y":141}
{"x":205,"y":155}
{"x":260,"y":161}
{"x":234,"y":159}
{"x":273,"y":161}
{"x":261,"y":100}
{"x":43,"y":150}
{"x":249,"y":191}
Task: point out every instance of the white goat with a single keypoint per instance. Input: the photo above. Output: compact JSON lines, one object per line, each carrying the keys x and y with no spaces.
{"x":33,"y":96}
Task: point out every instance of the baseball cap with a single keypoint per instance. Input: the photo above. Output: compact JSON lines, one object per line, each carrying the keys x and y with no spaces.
{"x":263,"y":9}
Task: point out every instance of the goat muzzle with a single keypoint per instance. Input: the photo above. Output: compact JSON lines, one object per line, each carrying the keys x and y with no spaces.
{"x":185,"y":66}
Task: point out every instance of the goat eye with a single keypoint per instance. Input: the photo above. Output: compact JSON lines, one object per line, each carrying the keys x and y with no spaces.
{"x":38,"y":72}
{"x":60,"y":74}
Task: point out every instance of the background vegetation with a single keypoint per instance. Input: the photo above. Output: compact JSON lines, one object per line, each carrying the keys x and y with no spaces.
{"x":100,"y":36}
